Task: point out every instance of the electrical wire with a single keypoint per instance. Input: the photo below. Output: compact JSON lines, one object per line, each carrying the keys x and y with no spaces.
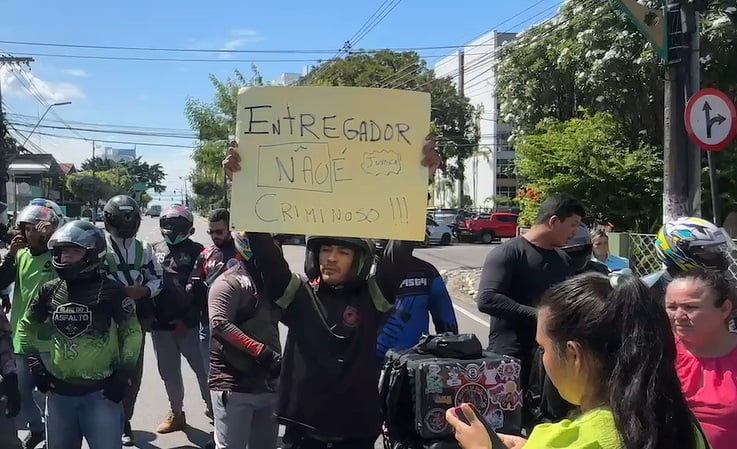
{"x":21,"y":117}
{"x":479,"y":62}
{"x":150,"y":144}
{"x":233,"y":51}
{"x":109,"y":131}
{"x":377,"y":21}
{"x":391,"y":79}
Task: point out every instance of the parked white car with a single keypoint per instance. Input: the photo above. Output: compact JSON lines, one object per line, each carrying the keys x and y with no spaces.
{"x":437,"y":233}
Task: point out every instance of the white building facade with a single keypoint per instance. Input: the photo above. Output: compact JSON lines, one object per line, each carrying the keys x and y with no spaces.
{"x":490,"y":172}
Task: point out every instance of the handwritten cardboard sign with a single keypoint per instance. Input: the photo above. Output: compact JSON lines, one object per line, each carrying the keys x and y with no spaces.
{"x":337,"y":161}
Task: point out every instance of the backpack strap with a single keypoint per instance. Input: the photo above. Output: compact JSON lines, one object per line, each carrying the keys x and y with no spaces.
{"x":111,"y":264}
{"x":139,"y":255}
{"x":122,"y":266}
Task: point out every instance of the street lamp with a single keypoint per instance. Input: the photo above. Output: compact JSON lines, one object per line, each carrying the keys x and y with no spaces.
{"x":63,"y":103}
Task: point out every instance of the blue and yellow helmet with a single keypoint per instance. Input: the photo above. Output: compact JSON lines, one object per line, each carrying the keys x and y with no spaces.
{"x":691,"y":242}
{"x":242,"y":245}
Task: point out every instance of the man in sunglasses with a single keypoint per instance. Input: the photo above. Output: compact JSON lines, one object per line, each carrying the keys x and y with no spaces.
{"x":131,"y":262}
{"x":208,"y":266}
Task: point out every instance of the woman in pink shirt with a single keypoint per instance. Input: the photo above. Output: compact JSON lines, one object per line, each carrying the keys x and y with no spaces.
{"x":700,"y":305}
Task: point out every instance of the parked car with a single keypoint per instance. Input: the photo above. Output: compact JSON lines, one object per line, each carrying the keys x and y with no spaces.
{"x":488,"y":227}
{"x":154,"y":211}
{"x":438,"y":233}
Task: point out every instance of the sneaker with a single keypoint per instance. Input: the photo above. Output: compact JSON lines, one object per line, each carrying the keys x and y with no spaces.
{"x":33,"y":439}
{"x":173,"y":422}
{"x":127,"y":438}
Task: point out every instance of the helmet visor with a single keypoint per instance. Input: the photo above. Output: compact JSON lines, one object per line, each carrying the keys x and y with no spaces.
{"x":70,"y":235}
{"x":715,"y":256}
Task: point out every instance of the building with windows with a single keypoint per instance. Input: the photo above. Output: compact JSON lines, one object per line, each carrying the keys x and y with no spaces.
{"x":490,"y":172}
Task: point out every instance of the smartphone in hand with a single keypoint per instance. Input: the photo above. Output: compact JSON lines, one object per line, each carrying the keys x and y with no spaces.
{"x":496,"y":442}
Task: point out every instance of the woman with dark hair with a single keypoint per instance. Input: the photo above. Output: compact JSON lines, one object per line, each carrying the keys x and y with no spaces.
{"x":608,"y":349}
{"x":700,"y":304}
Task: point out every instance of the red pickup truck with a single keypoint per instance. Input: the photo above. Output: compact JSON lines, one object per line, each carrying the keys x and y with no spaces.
{"x":488,"y":227}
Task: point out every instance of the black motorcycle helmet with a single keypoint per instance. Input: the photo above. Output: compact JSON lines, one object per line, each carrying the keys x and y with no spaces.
{"x":361,"y":263}
{"x":176,"y":223}
{"x":81,"y":234}
{"x":122,"y":217}
{"x":579,"y":248}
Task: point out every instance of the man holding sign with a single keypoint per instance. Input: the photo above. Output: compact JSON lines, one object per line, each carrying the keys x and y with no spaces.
{"x":328,"y":393}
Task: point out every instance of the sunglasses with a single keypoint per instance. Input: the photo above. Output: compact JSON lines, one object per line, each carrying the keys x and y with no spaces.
{"x":216,"y":231}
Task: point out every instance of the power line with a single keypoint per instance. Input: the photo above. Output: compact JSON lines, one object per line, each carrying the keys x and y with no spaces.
{"x":496,"y":52}
{"x":229,"y":51}
{"x":492,"y":54}
{"x":386,"y":81}
{"x":189,"y":147}
{"x":388,"y":10}
{"x":143,"y":58}
{"x":349,"y":42}
{"x":110,"y":131}
{"x":553,"y":27}
{"x":106,"y":125}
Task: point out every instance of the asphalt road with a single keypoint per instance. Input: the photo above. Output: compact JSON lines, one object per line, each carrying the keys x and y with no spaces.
{"x":152,"y":403}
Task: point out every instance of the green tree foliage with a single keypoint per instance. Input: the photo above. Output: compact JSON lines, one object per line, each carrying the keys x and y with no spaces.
{"x":596,"y":60}
{"x":115,"y":178}
{"x":215,"y":122}
{"x":619,"y":181}
{"x":454,"y":119}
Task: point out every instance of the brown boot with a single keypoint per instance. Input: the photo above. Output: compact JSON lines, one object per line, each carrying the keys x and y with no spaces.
{"x":172,"y":423}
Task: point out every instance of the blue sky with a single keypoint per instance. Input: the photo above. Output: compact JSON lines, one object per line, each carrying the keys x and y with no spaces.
{"x":153,"y":94}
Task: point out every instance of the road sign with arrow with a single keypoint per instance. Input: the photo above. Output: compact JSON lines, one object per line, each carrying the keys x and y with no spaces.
{"x":711,"y":119}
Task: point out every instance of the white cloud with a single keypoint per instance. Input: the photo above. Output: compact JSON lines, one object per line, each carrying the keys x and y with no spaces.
{"x":245,"y":32}
{"x":79,"y":73}
{"x":22,"y":85}
{"x":242,"y":38}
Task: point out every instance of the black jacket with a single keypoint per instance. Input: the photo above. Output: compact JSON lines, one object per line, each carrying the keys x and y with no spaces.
{"x":328,"y":386}
{"x":174,"y":303}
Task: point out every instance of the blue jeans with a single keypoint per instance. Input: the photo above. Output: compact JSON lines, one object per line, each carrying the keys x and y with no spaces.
{"x":92,"y":417}
{"x":205,"y":346}
{"x":244,"y":420}
{"x":30,"y":412}
{"x":8,"y":433}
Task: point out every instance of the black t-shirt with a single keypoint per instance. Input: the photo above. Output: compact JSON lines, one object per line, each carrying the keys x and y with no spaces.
{"x":514,"y":277}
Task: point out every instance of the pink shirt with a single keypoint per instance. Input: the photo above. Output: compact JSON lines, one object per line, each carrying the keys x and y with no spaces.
{"x":710,"y":387}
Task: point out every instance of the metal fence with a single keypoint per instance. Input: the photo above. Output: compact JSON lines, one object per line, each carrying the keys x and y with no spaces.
{"x":644,"y":259}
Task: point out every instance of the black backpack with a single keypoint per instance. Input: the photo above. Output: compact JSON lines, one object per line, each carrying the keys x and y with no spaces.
{"x":402,"y":381}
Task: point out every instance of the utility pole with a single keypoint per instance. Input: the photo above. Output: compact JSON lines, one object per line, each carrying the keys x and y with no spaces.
{"x":94,"y":185}
{"x":674,"y":33}
{"x":462,"y":123}
{"x":682,"y":158}
{"x":6,"y":152}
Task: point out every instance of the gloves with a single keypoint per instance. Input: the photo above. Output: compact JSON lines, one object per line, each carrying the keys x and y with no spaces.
{"x":9,"y":389}
{"x":116,"y":386}
{"x":41,"y":377}
{"x":271,"y":361}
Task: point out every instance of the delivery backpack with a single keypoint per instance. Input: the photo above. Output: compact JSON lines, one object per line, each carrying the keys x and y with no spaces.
{"x":418,"y":385}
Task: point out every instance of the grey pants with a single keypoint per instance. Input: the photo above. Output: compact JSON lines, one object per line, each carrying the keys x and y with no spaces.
{"x":244,"y":420}
{"x":129,"y":401}
{"x":169,"y":350}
